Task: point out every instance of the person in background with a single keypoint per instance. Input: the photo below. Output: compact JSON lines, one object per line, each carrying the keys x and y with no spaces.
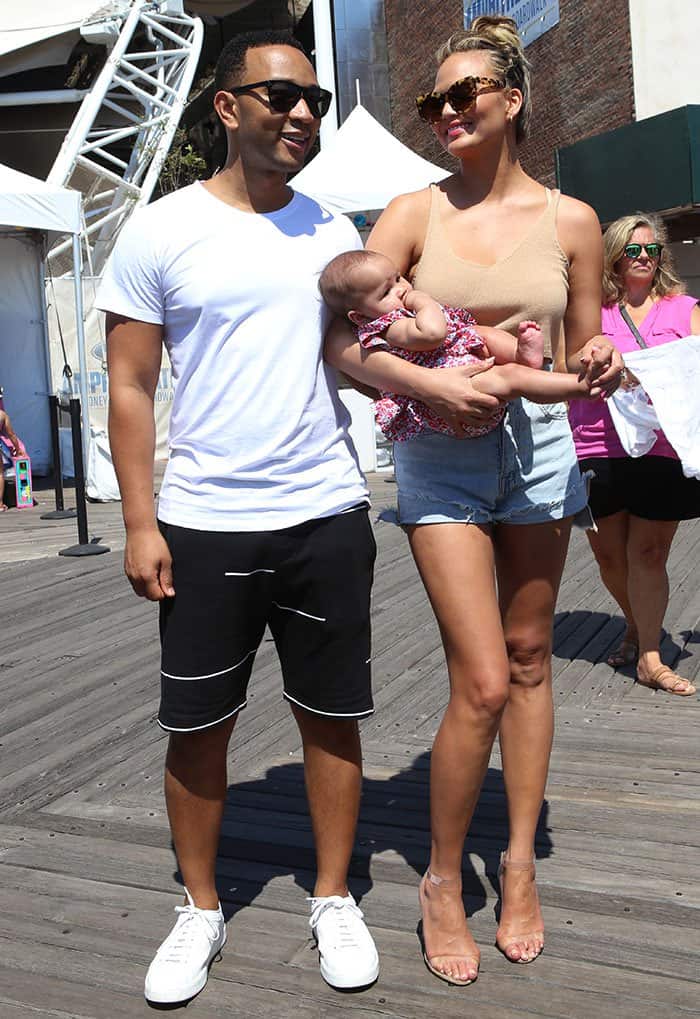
{"x":637,"y":503}
{"x":10,"y":446}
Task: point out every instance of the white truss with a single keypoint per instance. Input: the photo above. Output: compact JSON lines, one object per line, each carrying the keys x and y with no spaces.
{"x":115,"y":148}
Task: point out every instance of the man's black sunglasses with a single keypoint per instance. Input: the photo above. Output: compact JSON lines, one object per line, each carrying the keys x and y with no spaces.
{"x":283,"y":95}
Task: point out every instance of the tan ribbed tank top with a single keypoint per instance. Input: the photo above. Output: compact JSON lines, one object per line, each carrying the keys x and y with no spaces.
{"x":532,"y":282}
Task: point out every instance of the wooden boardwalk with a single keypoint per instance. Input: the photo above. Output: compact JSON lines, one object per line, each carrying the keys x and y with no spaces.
{"x":87,"y":873}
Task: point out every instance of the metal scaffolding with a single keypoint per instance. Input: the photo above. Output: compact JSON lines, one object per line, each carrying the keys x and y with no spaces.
{"x":115,"y":148}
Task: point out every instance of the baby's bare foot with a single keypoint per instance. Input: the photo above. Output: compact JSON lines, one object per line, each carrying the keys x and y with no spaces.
{"x":530,"y":345}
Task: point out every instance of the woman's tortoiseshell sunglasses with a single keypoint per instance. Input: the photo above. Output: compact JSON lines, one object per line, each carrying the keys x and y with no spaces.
{"x":461,"y":95}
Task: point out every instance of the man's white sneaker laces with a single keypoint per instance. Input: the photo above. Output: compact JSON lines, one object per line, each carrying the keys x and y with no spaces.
{"x":347,"y":951}
{"x":181,"y":965}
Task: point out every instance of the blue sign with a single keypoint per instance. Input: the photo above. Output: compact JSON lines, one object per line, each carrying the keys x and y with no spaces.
{"x":533,"y":17}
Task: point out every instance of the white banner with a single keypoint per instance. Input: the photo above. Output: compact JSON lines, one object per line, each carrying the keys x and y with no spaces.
{"x":61,"y":304}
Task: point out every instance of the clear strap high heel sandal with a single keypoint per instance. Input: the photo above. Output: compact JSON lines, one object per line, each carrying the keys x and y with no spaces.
{"x":506,"y":942}
{"x":434,"y":879}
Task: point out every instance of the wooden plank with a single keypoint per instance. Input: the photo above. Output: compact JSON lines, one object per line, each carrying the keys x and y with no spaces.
{"x":87,"y":869}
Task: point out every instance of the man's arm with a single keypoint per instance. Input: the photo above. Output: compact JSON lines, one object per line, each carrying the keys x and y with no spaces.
{"x":134,"y":351}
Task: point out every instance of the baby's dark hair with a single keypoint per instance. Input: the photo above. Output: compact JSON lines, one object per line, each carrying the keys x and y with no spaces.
{"x":338,"y":281}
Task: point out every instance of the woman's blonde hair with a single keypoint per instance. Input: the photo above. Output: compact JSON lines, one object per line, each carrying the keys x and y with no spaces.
{"x":499,"y":38}
{"x":666,"y":281}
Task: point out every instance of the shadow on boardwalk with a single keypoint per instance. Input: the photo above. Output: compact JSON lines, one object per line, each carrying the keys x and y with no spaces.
{"x":394,"y":808}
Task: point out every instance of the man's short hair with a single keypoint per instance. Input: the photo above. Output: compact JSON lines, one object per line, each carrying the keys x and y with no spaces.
{"x":230,"y":67}
{"x":337,"y":282}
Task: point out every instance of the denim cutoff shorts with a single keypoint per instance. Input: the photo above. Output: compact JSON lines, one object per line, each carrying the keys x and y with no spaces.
{"x":523,"y":472}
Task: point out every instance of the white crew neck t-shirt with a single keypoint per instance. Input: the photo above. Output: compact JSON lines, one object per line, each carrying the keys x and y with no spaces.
{"x":258,"y":436}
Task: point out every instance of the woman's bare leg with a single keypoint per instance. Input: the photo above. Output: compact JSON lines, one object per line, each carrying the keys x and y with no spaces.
{"x":609,"y":547}
{"x":648,"y":547}
{"x":529,"y":561}
{"x":456,"y":564}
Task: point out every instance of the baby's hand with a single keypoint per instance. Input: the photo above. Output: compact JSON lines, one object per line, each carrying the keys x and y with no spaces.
{"x":530,"y":342}
{"x":425,"y":330}
{"x":416,"y":300}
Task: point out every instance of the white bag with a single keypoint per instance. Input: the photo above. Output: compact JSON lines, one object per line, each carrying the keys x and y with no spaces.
{"x":101,"y":482}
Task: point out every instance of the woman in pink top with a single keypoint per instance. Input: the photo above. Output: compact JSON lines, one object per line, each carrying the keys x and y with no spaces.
{"x":638,"y":502}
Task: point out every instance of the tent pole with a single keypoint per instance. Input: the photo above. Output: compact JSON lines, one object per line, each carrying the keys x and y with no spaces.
{"x":60,"y":512}
{"x":80,"y":340}
{"x":44,"y":320}
{"x":325,"y":64}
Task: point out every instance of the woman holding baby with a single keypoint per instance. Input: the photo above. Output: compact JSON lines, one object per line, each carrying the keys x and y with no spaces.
{"x":488,"y":518}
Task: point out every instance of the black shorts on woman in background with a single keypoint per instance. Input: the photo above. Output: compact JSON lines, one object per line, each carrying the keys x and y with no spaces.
{"x":650,"y":487}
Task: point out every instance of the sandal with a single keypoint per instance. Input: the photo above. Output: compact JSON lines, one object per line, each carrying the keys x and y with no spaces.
{"x":680,"y":687}
{"x":626,"y":653}
{"x":440,"y":974}
{"x":505,"y":944}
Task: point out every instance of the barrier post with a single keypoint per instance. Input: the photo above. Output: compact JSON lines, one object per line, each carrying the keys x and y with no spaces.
{"x":59,"y":513}
{"x":84,"y":546}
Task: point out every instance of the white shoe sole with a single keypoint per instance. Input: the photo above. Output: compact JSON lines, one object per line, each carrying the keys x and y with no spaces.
{"x":172,"y":998}
{"x":344,"y":983}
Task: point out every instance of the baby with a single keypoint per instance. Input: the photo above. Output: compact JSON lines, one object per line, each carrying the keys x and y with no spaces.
{"x":387,"y":312}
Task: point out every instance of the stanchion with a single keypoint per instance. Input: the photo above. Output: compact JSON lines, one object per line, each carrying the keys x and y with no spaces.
{"x":84,"y":546}
{"x":59,"y":513}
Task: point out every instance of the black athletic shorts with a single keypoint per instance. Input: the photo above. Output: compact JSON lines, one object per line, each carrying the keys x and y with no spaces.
{"x":310,"y":584}
{"x":650,"y":487}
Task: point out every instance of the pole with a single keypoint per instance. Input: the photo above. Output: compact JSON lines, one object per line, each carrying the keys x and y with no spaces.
{"x":84,"y":546}
{"x":79,"y":468}
{"x":80,"y":340}
{"x":59,"y":513}
{"x":325,"y":64}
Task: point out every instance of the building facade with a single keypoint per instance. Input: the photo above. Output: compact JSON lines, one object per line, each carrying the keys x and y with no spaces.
{"x":616,"y":101}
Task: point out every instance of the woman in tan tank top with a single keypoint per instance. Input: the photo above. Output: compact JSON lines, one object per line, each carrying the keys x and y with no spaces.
{"x":489,"y":238}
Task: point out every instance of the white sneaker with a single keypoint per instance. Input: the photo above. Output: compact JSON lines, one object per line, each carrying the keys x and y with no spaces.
{"x":181,"y":965}
{"x":348,"y":954}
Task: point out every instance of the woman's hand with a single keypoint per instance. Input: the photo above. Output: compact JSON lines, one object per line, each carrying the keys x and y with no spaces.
{"x":601,"y":366}
{"x":449,"y":392}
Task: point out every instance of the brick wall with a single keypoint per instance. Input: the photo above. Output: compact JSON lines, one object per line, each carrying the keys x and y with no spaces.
{"x":415,"y":29}
{"x":582,"y":80}
{"x":582,"y":74}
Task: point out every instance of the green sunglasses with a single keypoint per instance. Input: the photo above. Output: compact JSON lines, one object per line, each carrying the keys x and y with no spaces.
{"x":653,"y":250}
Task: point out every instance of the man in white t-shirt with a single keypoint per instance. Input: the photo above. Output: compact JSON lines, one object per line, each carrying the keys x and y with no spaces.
{"x":262,"y":516}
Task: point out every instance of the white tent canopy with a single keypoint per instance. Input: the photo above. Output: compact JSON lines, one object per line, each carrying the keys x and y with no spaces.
{"x":41,"y":33}
{"x":32,"y":213}
{"x":35,"y":205}
{"x":364,"y":167}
